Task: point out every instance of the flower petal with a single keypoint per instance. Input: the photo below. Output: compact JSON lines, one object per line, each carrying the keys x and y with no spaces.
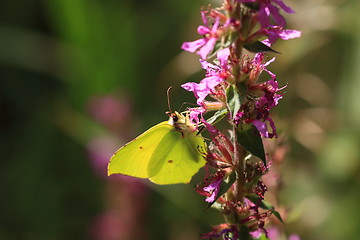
{"x":193,"y":46}
{"x":283,"y":6}
{"x":261,"y":127}
{"x":223,"y":56}
{"x":203,"y":30}
{"x":278,"y":18}
{"x":289,"y":34}
{"x":207,"y":48}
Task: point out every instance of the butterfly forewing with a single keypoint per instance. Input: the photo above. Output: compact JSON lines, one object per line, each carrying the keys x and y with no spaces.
{"x":133,"y":158}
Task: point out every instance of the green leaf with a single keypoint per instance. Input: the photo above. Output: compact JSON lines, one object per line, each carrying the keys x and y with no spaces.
{"x":242,"y":88}
{"x":257,"y":47}
{"x":249,"y":137}
{"x":234,"y":35}
{"x":263,"y":237}
{"x":253,"y":6}
{"x":277,"y":215}
{"x":217,"y":116}
{"x":265,"y":205}
{"x":224,"y":187}
{"x":244,"y":233}
{"x":234,"y":102}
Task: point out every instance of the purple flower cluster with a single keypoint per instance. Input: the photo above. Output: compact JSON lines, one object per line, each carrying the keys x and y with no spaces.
{"x":215,"y":75}
{"x":231,"y":90}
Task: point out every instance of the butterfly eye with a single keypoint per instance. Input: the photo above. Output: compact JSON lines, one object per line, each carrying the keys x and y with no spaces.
{"x":175,"y":118}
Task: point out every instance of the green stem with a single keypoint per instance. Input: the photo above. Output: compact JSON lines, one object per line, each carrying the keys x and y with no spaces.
{"x":239,"y":159}
{"x":239,"y":152}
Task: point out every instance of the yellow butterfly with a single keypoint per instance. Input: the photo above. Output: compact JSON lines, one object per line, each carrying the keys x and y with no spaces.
{"x":170,"y":152}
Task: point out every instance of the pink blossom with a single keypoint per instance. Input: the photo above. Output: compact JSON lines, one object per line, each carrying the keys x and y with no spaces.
{"x":212,"y":186}
{"x":202,"y":89}
{"x":294,"y":237}
{"x":204,"y":45}
{"x":273,"y":233}
{"x":266,"y":102}
{"x":214,"y":76}
{"x":211,"y":129}
{"x":256,"y":234}
{"x":263,"y":129}
{"x":195,"y":113}
{"x":270,"y":9}
{"x":275,"y":32}
{"x":271,"y":97}
{"x":213,"y":189}
{"x":259,"y":66}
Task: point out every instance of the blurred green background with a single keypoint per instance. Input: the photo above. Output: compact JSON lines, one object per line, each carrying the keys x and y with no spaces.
{"x":78,"y":78}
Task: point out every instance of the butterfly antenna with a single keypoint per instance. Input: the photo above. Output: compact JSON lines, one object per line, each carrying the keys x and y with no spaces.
{"x":187,"y":103}
{"x":168,"y":99}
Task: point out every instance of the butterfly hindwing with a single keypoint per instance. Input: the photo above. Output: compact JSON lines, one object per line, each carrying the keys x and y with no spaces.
{"x":177,"y":158}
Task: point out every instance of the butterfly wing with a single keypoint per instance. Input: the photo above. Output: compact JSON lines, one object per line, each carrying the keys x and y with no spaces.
{"x":133,"y":158}
{"x":177,"y":158}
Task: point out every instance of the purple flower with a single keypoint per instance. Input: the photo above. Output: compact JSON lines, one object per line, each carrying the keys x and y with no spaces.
{"x":271,"y":97}
{"x":202,"y":89}
{"x":214,"y":76}
{"x":266,"y":102}
{"x":211,"y":129}
{"x":256,"y":234}
{"x":239,"y":115}
{"x":204,"y":45}
{"x":275,"y":32}
{"x":263,"y":129}
{"x":294,"y":237}
{"x":258,"y":66}
{"x":194,"y":114}
{"x":223,"y":56}
{"x":270,"y":9}
{"x":273,"y":233}
{"x":213,"y":188}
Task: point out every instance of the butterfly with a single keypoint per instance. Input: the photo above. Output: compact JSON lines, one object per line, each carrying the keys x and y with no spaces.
{"x":170,"y":152}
